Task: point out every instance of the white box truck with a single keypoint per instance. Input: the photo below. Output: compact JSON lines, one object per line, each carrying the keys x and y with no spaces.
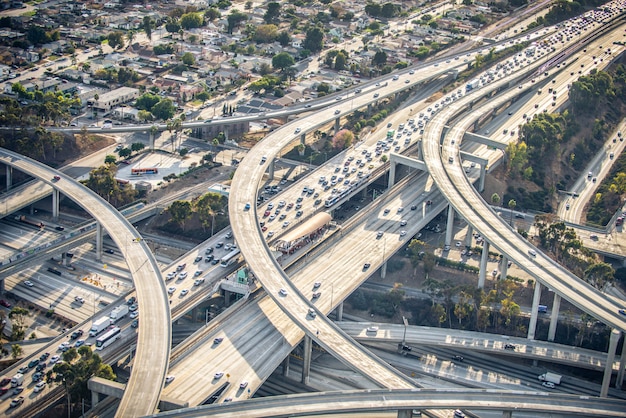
{"x":99,"y":325}
{"x":17,"y":380}
{"x":550,"y":377}
{"x":118,"y":313}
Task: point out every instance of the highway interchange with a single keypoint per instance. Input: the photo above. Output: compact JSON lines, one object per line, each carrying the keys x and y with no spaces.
{"x":328,"y":331}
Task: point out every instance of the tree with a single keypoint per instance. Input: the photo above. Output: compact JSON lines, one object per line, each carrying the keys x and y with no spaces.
{"x":164,"y":109}
{"x":191,"y":20}
{"x":599,"y":275}
{"x":314,"y":40}
{"x":495,"y":199}
{"x":463,"y":308}
{"x":343,"y":139}
{"x":16,"y":351}
{"x":380,"y":58}
{"x":147,"y":26}
{"x":137,"y":146}
{"x":125,"y":152}
{"x":180,"y":210}
{"x":116,"y":39}
{"x":272,"y":13}
{"x":282,"y":60}
{"x":265,"y":33}
{"x":189,"y":59}
{"x":512,"y":203}
{"x":234,"y":20}
{"x":110,"y":159}
{"x":18,"y":320}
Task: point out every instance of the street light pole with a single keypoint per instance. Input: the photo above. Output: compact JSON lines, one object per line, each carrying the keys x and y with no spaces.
{"x":404,"y":335}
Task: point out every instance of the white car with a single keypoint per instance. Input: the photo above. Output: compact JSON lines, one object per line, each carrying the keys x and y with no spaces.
{"x":29,"y":283}
{"x":184,"y":292}
{"x":198,"y":282}
{"x":402,"y":233}
{"x":183,"y":275}
{"x":372,"y":329}
{"x":218,"y":375}
{"x":54,"y":359}
{"x":548,"y":385}
{"x":171,"y":290}
{"x":79,"y":299}
{"x":40,"y":386}
{"x":169,"y":379}
{"x":134,"y":315}
{"x":243,"y":385}
{"x":64,"y":346}
{"x":283,"y":292}
{"x":316,"y":285}
{"x":171,"y":275}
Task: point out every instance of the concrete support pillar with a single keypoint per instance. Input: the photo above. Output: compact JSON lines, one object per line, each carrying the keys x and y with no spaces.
{"x":482,"y":274}
{"x":449,"y":226}
{"x":303,"y":139}
{"x":383,"y":270}
{"x":534,"y":313}
{"x":9,"y":175}
{"x":194,"y":314}
{"x":286,"y":366}
{"x":339,"y":312}
{"x":610,"y":358}
{"x":270,"y":173}
{"x":554,"y":317}
{"x":99,"y":237}
{"x":504,"y":267}
{"x":469,"y":236}
{"x":95,"y":398}
{"x":152,"y":137}
{"x":64,"y":259}
{"x":481,"y":181}
{"x":55,"y":204}
{"x":419,"y":150}
{"x":507,"y":414}
{"x":392,"y":173}
{"x":620,"y":372}
{"x":404,"y":413}
{"x":306,"y":364}
{"x":226,"y":298}
{"x":2,"y":286}
{"x":337,"y":124}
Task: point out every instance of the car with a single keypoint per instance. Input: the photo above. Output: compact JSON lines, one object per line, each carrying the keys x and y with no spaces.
{"x":171,"y":290}
{"x":134,"y":315}
{"x":24,"y":369}
{"x":169,"y":379}
{"x":54,"y":359}
{"x":414,"y":207}
{"x":228,"y":235}
{"x":286,"y":224}
{"x":548,"y":385}
{"x":16,"y":402}
{"x":509,"y":346}
{"x":243,"y":385}
{"x":33,"y":363}
{"x":457,"y":358}
{"x":457,"y":244}
{"x":133,"y":307}
{"x":372,"y":329}
{"x":37,"y":377}
{"x":366,"y":266}
{"x":376,"y":95}
{"x":312,"y":313}
{"x":29,"y":283}
{"x":379,"y":234}
{"x":76,"y":334}
{"x":402,"y":233}
{"x":532,"y":253}
{"x":182,"y":275}
{"x":197,"y":259}
{"x":208,"y":251}
{"x":403,"y":222}
{"x":181,"y":266}
{"x":337,"y":112}
{"x":218,"y":375}
{"x":622,"y":312}
{"x":270,"y":234}
{"x":215,"y":261}
{"x":56,"y":178}
{"x":41,"y":366}
{"x":171,"y":275}
{"x":40,"y":386}
{"x":135,"y":323}
{"x":297,"y":131}
{"x":79,"y":343}
{"x":316,"y":295}
{"x":316,"y":285}
{"x":5,"y":382}
{"x":219,"y":244}
{"x":446,"y":248}
{"x":184,"y":292}
{"x":263,"y":159}
{"x":79,"y":299}
{"x":283,"y":292}
{"x":246,"y":206}
{"x":5,"y":303}
{"x":459,"y":414}
{"x":520,"y":216}
{"x":109,"y":251}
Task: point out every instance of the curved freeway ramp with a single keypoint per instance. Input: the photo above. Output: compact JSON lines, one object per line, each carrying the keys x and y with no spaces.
{"x":443,"y":163}
{"x":153,"y":345}
{"x":315,"y":404}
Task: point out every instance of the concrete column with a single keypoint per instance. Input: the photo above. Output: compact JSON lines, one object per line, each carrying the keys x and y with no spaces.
{"x":383,"y":270}
{"x":419,"y":150}
{"x":482,"y":274}
{"x":303,"y":139}
{"x":286,"y":366}
{"x":620,"y":372}
{"x":481,"y":181}
{"x":554,"y":317}
{"x":55,"y":204}
{"x":504,"y":268}
{"x":306,"y":364}
{"x":226,"y":298}
{"x":449,"y":226}
{"x":469,"y":236}
{"x":404,"y":413}
{"x":507,"y":414}
{"x":99,"y":235}
{"x":95,"y":398}
{"x":9,"y":175}
{"x":194,"y":314}
{"x":608,"y":367}
{"x":64,"y":259}
{"x":2,"y":286}
{"x":534,"y":313}
{"x":337,"y":124}
{"x":339,"y":311}
{"x":392,"y":173}
{"x":151,"y":145}
{"x":270,"y":173}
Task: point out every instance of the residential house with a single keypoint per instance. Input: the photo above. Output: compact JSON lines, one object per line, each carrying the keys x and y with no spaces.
{"x":114,"y":98}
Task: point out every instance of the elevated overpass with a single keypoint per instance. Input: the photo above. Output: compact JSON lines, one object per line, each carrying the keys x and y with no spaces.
{"x":153,"y":345}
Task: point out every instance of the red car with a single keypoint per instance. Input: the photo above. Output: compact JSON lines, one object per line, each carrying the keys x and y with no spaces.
{"x":5,"y":381}
{"x":267,"y":213}
{"x":5,"y":303}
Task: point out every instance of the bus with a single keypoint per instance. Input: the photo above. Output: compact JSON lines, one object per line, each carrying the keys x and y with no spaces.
{"x":108,"y":338}
{"x":140,"y":171}
{"x":391,"y":133}
{"x":230,"y":258}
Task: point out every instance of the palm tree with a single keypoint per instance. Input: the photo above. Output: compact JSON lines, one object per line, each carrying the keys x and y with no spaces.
{"x":512,"y":204}
{"x":495,"y":199}
{"x":131,"y":37}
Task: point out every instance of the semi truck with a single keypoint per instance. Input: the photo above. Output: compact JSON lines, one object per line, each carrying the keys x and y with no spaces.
{"x":550,"y":377}
{"x":99,"y":325}
{"x":472,"y":84}
{"x":118,"y":313}
{"x":23,"y":218}
{"x":17,"y":380}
